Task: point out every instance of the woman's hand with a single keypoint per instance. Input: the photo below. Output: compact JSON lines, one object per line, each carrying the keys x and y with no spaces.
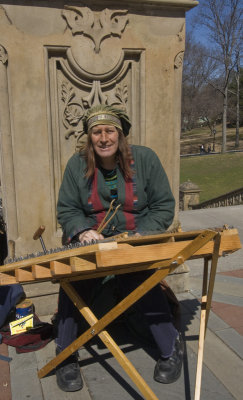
{"x":88,"y":236}
{"x":137,"y":234}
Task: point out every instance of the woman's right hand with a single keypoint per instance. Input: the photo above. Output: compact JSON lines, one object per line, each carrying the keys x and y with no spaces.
{"x":88,"y":236}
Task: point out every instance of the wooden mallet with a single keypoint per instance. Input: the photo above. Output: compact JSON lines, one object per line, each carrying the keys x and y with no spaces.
{"x":38,"y":235}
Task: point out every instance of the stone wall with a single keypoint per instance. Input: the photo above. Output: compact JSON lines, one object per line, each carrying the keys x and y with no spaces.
{"x":59,"y":58}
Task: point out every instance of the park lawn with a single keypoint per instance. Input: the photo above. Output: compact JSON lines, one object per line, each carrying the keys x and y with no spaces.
{"x":214,"y":174}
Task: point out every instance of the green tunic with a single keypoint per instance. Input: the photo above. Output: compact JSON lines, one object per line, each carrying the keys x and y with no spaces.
{"x":147,"y":203}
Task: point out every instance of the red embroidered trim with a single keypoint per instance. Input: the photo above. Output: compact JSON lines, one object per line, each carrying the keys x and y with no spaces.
{"x":129,"y":206}
{"x":94,"y":200}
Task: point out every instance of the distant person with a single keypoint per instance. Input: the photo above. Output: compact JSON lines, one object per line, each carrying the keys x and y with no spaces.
{"x":202,"y":150}
{"x":209,"y":148}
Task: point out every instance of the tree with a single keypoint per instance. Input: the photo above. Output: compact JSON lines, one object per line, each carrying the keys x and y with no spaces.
{"x":199,"y":101}
{"x":210,"y":107}
{"x":236,"y":101}
{"x":223,"y":19}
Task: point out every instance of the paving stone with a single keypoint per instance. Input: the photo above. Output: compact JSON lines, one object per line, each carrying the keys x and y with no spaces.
{"x":232,"y":315}
{"x":215,"y":323}
{"x":5,"y":388}
{"x":233,"y":339}
{"x":212,"y":217}
{"x":25,"y":383}
{"x":235,"y":288}
{"x":216,"y":355}
{"x":191,"y":306}
{"x":231,"y":278}
{"x":237,"y":273}
{"x":221,"y":298}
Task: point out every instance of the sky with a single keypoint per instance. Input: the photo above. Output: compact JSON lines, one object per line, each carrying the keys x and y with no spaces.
{"x":199,"y":31}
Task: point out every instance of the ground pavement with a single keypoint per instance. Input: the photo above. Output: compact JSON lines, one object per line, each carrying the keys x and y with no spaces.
{"x":105,"y":380}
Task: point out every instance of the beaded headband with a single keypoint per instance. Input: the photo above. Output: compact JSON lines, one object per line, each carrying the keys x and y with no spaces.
{"x":106,"y":115}
{"x":103,"y":118}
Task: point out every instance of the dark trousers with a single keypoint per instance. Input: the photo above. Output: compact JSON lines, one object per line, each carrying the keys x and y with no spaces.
{"x":153,"y":305}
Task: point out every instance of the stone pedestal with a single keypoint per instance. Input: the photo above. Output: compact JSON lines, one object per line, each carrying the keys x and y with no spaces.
{"x":189,"y":195}
{"x":55,"y":62}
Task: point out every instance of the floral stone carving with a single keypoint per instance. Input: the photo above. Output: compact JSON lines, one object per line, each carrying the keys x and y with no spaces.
{"x":83,"y":21}
{"x":76,"y":105}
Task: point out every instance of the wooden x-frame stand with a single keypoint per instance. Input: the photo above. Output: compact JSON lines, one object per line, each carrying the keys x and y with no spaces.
{"x":162,"y":269}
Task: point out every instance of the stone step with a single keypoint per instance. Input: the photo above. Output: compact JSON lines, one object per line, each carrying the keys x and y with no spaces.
{"x":44,"y":296}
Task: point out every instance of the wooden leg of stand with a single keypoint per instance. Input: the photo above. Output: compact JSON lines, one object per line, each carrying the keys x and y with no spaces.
{"x":214,"y":264}
{"x":110,"y":344}
{"x":207,"y":293}
{"x":201,"y":333}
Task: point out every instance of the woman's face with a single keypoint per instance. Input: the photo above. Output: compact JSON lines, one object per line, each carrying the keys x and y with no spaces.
{"x":105,"y":141}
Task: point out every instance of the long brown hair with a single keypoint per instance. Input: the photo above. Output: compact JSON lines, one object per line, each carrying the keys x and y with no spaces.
{"x":123,"y":156}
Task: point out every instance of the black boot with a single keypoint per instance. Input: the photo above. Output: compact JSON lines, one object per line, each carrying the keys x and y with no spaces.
{"x":68,"y":374}
{"x":168,"y":370}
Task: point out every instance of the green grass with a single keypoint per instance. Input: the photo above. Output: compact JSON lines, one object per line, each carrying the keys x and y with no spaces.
{"x":214,"y":174}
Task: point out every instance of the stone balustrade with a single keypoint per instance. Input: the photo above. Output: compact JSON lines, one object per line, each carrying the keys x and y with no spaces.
{"x":232,"y":198}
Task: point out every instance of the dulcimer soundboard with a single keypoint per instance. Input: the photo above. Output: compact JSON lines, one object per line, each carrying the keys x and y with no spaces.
{"x":119,"y":254}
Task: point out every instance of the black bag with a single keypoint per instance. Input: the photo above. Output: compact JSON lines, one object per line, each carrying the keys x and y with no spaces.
{"x":32,"y":340}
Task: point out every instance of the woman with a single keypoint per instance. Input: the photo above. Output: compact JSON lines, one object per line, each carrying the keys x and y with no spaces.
{"x":109,"y":169}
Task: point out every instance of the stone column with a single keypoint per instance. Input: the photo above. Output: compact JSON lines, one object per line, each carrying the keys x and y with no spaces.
{"x":8,"y":191}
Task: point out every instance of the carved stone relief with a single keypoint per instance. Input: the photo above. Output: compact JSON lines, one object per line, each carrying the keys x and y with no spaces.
{"x":179,"y":59}
{"x":181,"y":33}
{"x":4,"y":18}
{"x":96,"y":38}
{"x":97,"y":27}
{"x":72,"y":90}
{"x":3,"y":55}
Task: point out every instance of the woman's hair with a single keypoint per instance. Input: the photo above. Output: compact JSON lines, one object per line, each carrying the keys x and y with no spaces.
{"x":123,"y":156}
